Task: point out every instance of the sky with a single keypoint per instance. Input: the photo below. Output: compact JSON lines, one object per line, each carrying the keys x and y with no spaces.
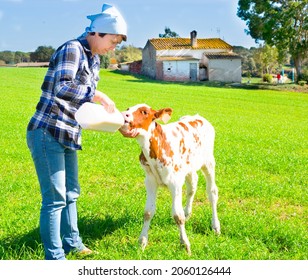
{"x":28,"y":24}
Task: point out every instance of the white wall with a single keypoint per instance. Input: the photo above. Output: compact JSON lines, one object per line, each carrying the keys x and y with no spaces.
{"x":225,"y":70}
{"x":178,"y":70}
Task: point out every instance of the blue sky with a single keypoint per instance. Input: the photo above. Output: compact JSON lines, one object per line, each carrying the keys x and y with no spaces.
{"x":27,"y":24}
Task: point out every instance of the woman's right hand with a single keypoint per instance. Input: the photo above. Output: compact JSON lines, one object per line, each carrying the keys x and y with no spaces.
{"x":128,"y":133}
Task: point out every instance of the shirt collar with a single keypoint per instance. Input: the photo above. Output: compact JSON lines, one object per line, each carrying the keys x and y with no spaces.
{"x":83,"y":41}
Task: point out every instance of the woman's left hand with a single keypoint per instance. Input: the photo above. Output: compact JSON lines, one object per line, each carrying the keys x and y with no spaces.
{"x":103,"y":99}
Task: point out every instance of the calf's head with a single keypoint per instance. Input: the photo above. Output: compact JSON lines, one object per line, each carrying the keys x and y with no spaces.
{"x":141,"y":116}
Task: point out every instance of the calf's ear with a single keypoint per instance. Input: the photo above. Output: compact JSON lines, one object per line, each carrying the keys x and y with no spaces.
{"x":164,"y":114}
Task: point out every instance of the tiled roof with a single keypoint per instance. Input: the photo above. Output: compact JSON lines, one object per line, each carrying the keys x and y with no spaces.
{"x":185,"y":43}
{"x":222,"y":55}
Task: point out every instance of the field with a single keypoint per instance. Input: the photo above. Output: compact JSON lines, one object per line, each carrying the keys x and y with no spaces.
{"x":262,"y":158}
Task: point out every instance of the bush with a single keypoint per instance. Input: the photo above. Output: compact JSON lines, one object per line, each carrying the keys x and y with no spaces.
{"x":267,"y":78}
{"x":302,"y":83}
{"x":303,"y":76}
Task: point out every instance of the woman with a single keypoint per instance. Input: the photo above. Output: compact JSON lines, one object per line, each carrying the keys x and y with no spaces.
{"x":54,"y":136}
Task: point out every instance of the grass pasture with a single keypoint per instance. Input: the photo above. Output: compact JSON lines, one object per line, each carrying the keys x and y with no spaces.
{"x":262,"y":161}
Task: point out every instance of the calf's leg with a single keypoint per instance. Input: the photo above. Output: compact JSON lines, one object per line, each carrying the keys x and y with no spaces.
{"x":191,"y":181}
{"x":178,"y":214}
{"x":149,"y":211}
{"x":212,"y":191}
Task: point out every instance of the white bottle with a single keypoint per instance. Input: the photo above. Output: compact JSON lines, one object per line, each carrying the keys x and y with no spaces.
{"x":93,"y":116}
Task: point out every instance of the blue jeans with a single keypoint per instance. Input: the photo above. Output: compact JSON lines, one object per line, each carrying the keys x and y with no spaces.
{"x":57,"y":171}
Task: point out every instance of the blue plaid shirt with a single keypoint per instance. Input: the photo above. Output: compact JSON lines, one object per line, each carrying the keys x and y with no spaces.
{"x":70,"y":81}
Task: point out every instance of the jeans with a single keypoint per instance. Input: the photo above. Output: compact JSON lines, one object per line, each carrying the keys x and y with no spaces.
{"x":57,"y":170}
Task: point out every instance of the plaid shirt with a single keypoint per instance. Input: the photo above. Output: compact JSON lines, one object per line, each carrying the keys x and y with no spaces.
{"x":70,"y":81}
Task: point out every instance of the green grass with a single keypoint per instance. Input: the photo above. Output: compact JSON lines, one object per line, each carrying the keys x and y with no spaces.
{"x":261,"y":153}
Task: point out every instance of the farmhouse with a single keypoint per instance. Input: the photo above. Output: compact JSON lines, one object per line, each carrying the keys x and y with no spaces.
{"x":191,"y":59}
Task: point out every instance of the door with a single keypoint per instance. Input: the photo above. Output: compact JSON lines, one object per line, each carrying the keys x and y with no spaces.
{"x":193,"y":71}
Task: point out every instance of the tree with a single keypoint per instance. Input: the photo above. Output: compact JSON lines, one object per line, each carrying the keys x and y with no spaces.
{"x":105,"y":60}
{"x":42,"y":54}
{"x":128,"y":54}
{"x":21,"y":57}
{"x":248,"y":63}
{"x":7,"y":57}
{"x":266,"y":59}
{"x":280,"y":23}
{"x":169,"y":34}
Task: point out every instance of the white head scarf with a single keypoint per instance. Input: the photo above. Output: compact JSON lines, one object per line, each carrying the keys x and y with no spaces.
{"x":109,"y":21}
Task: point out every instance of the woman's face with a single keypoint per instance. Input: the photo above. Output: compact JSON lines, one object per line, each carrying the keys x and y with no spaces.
{"x":102,"y":45}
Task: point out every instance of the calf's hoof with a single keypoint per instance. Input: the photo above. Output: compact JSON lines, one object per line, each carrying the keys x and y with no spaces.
{"x":186,"y":245}
{"x":216,"y":228}
{"x":188,"y":250}
{"x":143,"y":241}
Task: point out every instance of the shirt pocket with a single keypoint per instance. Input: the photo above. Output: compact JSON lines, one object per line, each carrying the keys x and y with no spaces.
{"x":84,"y":76}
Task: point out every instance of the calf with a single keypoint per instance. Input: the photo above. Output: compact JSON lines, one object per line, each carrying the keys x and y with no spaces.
{"x":171,"y":156}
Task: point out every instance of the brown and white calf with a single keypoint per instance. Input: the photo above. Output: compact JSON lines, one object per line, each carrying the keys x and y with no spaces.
{"x":171,"y":156}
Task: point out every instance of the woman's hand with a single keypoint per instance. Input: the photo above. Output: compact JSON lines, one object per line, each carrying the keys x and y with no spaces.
{"x":103,"y":99}
{"x":129,"y":133}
